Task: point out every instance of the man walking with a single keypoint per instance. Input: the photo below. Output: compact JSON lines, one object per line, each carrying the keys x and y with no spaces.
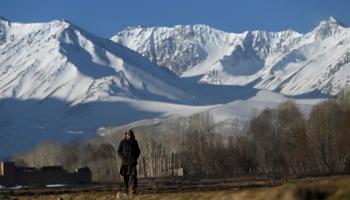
{"x":129,"y":152}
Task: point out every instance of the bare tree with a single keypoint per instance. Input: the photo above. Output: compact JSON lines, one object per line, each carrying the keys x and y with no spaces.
{"x":328,"y":129}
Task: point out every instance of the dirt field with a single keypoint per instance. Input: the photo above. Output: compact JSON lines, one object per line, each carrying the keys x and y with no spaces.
{"x":323,"y":188}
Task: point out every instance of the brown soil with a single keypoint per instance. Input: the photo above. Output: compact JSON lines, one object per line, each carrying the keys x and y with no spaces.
{"x":322,"y":188}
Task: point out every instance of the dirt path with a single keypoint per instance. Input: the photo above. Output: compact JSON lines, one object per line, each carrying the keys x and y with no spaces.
{"x":331,"y":188}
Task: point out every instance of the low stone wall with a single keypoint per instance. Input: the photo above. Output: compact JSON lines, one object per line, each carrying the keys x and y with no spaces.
{"x":43,"y":176}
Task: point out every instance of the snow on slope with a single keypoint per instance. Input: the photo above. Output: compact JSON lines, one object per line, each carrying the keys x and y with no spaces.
{"x":227,"y":117}
{"x":288,"y":62}
{"x":59,"y":60}
{"x":244,"y":110}
{"x":58,"y":81}
{"x":24,"y":123}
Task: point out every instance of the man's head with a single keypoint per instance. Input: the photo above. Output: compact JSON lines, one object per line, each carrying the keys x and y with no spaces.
{"x":129,"y":135}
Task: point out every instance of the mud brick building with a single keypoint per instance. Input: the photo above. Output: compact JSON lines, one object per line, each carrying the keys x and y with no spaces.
{"x":10,"y":175}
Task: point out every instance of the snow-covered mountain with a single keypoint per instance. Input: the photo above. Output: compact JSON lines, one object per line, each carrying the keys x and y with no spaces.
{"x":227,"y":118}
{"x":59,"y":60}
{"x":58,"y":81}
{"x":287,"y":62}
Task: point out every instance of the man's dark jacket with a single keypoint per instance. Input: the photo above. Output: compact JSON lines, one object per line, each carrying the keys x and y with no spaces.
{"x":129,"y":151}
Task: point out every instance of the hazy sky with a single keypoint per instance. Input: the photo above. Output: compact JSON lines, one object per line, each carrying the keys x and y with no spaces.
{"x":106,"y":17}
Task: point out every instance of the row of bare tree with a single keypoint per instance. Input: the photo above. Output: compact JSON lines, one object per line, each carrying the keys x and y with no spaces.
{"x":280,"y":141}
{"x":277,"y":141}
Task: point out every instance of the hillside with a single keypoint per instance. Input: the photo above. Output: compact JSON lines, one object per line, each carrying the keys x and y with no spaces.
{"x":59,"y":82}
{"x":288,"y":62}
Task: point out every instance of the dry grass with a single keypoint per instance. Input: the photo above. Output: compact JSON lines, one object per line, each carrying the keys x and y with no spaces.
{"x":328,"y":188}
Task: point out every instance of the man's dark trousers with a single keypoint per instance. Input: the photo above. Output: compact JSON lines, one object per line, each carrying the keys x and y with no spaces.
{"x":129,"y":172}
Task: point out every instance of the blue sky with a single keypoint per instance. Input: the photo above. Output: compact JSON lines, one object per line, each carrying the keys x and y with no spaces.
{"x":106,"y":17}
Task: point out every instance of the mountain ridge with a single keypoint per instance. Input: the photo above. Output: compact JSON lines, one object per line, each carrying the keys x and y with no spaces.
{"x":78,"y":55}
{"x":58,"y":81}
{"x":270,"y":59}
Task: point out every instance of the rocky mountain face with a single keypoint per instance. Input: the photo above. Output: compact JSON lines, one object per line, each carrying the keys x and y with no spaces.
{"x":58,"y":81}
{"x":287,"y":62}
{"x":60,"y":60}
